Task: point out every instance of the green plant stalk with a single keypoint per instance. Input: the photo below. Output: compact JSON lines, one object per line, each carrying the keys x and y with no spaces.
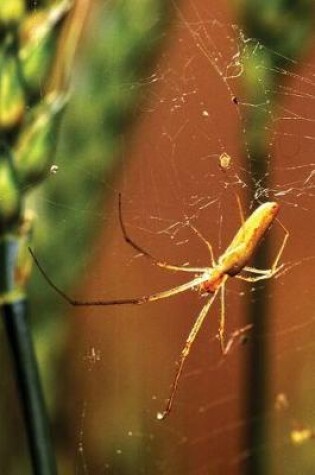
{"x":15,"y":269}
{"x":257,"y":389}
{"x":29,"y":387}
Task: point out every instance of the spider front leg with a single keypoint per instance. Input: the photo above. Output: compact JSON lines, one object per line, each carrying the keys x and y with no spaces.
{"x":145,"y":253}
{"x":190,"y":285}
{"x":204,"y":241}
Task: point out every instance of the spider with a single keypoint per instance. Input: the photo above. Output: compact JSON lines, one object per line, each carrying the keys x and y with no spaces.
{"x":208,"y":281}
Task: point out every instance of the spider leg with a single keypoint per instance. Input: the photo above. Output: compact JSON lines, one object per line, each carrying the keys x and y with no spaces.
{"x":225,"y":347}
{"x":257,"y":278}
{"x":267,"y":273}
{"x":145,"y":253}
{"x":239,"y":204}
{"x":253,"y":270}
{"x":261,"y":274}
{"x":284,"y":242}
{"x":137,"y":301}
{"x":204,"y":240}
{"x":235,"y":335}
{"x":185,"y":352}
{"x":221,"y":333}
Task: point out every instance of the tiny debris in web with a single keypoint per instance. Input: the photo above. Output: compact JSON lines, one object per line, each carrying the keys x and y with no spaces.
{"x":54,"y":169}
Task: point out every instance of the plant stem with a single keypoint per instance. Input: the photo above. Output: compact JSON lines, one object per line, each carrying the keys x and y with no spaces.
{"x":29,"y":387}
{"x":258,"y":376}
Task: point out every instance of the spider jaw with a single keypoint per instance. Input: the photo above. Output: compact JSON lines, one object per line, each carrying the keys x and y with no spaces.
{"x":213,"y":280}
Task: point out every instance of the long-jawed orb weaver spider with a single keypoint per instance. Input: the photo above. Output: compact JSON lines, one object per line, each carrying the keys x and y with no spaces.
{"x":207,"y":281}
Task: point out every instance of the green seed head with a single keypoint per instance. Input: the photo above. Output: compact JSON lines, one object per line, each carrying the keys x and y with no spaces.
{"x":39,"y":37}
{"x":9,"y":190}
{"x":35,"y":147}
{"x":11,"y":11}
{"x":12,"y":104}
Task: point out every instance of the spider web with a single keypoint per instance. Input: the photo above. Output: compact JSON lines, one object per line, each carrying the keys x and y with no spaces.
{"x":184,"y":164}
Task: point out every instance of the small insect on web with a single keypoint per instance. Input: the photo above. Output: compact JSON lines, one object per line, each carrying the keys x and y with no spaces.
{"x":209,"y":280}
